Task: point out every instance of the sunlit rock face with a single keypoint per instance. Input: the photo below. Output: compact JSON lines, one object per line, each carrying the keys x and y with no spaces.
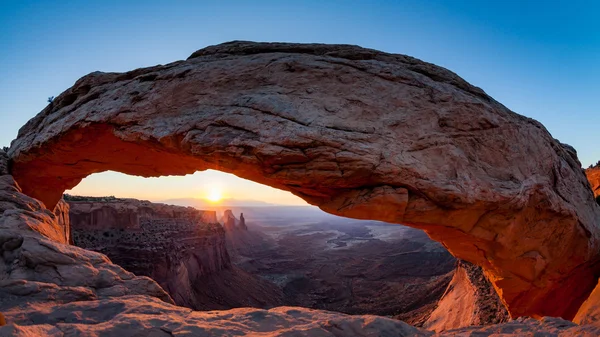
{"x":468,"y":300}
{"x":593,"y":176}
{"x":358,"y":132}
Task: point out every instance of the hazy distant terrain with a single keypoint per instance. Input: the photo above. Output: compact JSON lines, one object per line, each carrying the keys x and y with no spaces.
{"x":327,"y":262}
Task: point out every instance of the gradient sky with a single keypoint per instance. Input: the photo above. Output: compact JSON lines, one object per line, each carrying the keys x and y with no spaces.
{"x":539,"y":58}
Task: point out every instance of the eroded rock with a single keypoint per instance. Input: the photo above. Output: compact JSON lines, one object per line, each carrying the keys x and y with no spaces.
{"x":469,"y":300}
{"x":181,"y":248}
{"x":593,"y":176}
{"x":231,"y":223}
{"x":358,"y":132}
{"x":38,"y":266}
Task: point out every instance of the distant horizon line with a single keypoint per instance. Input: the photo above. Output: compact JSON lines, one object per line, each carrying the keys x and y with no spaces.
{"x":204,"y":200}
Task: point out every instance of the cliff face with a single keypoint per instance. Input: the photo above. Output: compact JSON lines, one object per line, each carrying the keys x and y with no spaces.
{"x":470,"y":299}
{"x":181,"y":248}
{"x":231,"y":223}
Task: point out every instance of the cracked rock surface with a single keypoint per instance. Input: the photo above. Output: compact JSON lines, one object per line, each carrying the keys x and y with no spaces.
{"x":358,"y":132}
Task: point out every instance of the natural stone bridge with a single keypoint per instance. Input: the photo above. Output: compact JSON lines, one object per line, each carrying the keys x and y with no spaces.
{"x":357,"y":132}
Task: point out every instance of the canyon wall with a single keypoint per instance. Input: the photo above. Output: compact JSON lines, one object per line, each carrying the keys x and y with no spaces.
{"x":358,"y":132}
{"x":181,"y":248}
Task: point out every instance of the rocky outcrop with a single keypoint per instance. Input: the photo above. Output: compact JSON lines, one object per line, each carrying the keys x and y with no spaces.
{"x":38,"y":266}
{"x":231,"y":223}
{"x":182,"y":248}
{"x":593,"y":176}
{"x":129,"y":214}
{"x":469,"y":300}
{"x":242,"y":224}
{"x":147,"y":316}
{"x":358,"y":132}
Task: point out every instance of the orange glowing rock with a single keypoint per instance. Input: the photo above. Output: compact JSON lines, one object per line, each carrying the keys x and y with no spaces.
{"x":358,"y":132}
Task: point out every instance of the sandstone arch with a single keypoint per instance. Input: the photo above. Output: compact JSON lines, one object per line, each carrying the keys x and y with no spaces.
{"x":358,"y":132}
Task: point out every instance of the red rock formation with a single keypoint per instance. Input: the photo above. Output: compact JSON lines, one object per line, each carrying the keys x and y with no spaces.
{"x":358,"y":132}
{"x":469,"y":300}
{"x":231,"y":223}
{"x":37,"y":266}
{"x":49,"y":288}
{"x":593,"y":176}
{"x":181,"y":248}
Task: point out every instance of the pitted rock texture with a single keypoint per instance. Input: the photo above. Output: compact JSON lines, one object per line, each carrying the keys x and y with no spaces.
{"x":147,"y":316}
{"x":124,"y":316}
{"x":358,"y":132}
{"x":469,"y":300}
{"x":181,"y":248}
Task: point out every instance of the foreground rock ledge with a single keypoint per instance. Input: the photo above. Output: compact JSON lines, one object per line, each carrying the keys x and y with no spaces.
{"x":358,"y":132}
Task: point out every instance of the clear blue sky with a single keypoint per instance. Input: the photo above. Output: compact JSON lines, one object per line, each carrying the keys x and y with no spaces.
{"x":539,"y":58}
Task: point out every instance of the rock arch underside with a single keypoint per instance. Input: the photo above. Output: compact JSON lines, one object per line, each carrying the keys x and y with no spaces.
{"x":359,"y":133}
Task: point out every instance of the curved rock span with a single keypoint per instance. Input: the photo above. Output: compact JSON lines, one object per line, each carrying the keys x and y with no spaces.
{"x":358,"y":132}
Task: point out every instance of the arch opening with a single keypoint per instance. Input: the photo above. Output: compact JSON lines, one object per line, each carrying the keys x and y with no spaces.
{"x":263,"y":251}
{"x":356,"y":132}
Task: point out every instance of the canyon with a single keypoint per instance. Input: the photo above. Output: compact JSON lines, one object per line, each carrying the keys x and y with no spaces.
{"x":181,"y":248}
{"x":358,"y":132}
{"x":354,"y":267}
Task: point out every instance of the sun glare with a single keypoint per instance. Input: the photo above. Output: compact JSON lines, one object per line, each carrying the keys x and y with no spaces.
{"x":215,"y":195}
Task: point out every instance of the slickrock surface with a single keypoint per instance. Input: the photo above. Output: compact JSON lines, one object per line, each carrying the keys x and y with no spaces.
{"x":358,"y":132}
{"x":469,"y":300}
{"x":125,"y":316}
{"x":181,"y":248}
{"x":147,"y":316}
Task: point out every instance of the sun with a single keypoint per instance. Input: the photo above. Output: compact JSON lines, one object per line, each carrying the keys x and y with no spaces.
{"x":214,"y":195}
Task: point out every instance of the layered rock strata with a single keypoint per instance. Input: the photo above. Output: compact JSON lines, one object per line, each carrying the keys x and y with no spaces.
{"x":181,"y":248}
